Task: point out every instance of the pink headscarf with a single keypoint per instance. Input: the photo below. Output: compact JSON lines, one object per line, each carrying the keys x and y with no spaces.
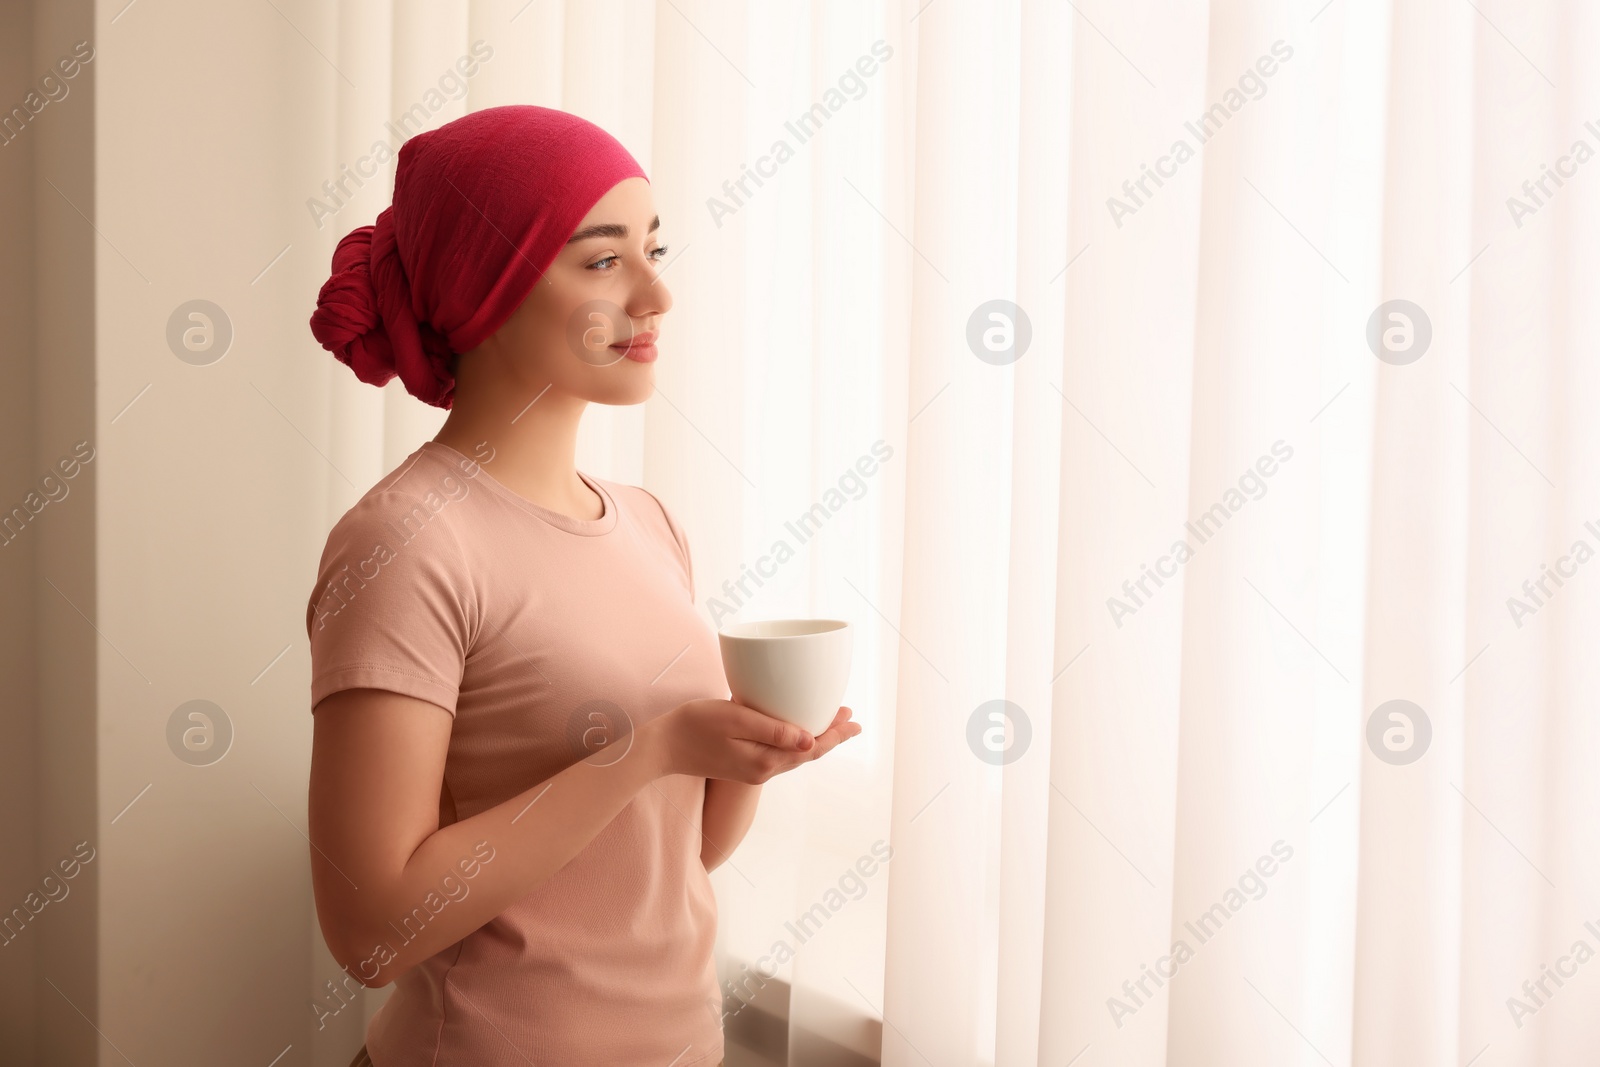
{"x":482,"y":205}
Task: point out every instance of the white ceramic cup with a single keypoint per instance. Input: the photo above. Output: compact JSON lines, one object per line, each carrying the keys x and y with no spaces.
{"x":791,"y":669}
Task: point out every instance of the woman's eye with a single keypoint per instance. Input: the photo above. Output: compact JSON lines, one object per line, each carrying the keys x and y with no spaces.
{"x":603,"y":265}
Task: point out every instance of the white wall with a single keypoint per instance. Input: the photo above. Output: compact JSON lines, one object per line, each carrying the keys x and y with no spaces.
{"x":48,"y":571}
{"x":216,"y":488}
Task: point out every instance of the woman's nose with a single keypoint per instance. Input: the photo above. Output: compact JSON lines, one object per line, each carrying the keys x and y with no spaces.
{"x":651,"y":296}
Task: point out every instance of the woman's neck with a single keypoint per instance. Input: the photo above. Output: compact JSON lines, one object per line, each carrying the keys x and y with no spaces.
{"x":530,"y":448}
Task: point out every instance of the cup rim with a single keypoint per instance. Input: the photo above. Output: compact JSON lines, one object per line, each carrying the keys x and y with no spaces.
{"x":823,"y":627}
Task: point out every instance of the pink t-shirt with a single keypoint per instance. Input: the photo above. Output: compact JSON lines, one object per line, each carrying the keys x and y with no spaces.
{"x":537,"y":632}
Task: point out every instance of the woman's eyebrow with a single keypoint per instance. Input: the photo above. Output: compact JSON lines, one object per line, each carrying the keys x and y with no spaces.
{"x":610,"y":229}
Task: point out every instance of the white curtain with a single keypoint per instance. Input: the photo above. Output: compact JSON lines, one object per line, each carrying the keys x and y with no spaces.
{"x":1208,"y":842}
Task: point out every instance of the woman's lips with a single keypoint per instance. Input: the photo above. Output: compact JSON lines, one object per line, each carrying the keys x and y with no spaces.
{"x":641,"y":347}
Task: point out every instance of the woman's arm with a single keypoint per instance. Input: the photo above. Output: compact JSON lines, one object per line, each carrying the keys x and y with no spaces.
{"x":391,"y":886}
{"x":730,"y":807}
{"x":725,"y":817}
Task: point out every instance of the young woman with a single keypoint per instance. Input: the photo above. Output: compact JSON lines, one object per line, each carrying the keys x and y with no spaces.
{"x":524,"y":763}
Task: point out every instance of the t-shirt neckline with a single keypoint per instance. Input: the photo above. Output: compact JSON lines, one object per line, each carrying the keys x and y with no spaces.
{"x":583,"y":527}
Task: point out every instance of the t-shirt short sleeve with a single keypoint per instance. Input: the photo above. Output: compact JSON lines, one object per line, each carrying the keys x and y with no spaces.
{"x":393,"y":603}
{"x":683,"y":542}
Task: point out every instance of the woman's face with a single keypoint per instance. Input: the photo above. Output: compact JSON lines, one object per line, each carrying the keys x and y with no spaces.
{"x":588,"y":327}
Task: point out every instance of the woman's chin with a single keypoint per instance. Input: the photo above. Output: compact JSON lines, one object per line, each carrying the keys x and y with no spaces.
{"x":634,"y":386}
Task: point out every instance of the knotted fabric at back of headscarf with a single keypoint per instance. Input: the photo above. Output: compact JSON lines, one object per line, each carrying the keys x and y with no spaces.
{"x":482,"y":206}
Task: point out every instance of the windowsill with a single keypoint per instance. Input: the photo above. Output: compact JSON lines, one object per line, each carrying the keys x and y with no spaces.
{"x":759,"y":1033}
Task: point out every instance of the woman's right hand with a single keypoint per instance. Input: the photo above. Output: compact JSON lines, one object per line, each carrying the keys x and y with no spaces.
{"x":710,"y":738}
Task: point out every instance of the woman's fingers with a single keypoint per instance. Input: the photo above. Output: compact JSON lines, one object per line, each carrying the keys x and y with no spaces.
{"x":826,"y":742}
{"x":799,"y":746}
{"x":831,"y":738}
{"x":780,"y":734}
{"x":775,"y":732}
{"x":840,"y":717}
